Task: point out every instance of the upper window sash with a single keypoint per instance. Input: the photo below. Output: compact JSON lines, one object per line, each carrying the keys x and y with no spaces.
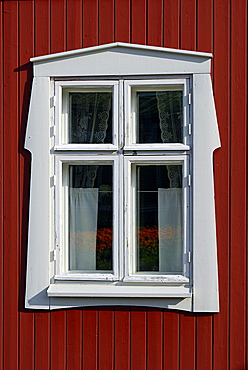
{"x":98,"y":108}
{"x":167,"y":102}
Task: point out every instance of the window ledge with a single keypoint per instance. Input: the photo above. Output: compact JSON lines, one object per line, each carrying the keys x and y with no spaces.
{"x":156,"y":279}
{"x":85,"y":147}
{"x":86,"y":277}
{"x":166,"y":147}
{"x":114,"y":290}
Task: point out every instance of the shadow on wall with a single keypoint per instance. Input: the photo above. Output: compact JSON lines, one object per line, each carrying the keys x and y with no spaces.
{"x":26,"y":76}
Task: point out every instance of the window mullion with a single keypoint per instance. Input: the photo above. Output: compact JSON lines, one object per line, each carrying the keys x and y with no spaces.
{"x":121,"y":115}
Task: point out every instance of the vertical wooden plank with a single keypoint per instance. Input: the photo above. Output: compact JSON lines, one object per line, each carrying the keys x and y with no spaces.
{"x":74,"y":317}
{"x":1,"y":186}
{"x":122,"y":339}
{"x":42,"y":319}
{"x":122,"y":20}
{"x":74,"y":24}
{"x":90,"y":23}
{"x":138,"y":339}
{"x":154,"y":22}
{"x":205,"y":25}
{"x":238,"y":241}
{"x":58,"y":340}
{"x":188,"y":24}
{"x":187,"y":342}
{"x":171,"y":341}
{"x":171,"y":23}
{"x":42,"y":27}
{"x":26,"y":341}
{"x":90,"y":339}
{"x":58,"y":26}
{"x":204,"y":327}
{"x":26,"y":49}
{"x":106,"y":339}
{"x":204,"y":343}
{"x":221,"y":76}
{"x":74,"y":340}
{"x":154,"y":339}
{"x":187,"y":325}
{"x":138,"y":21}
{"x":10,"y":185}
{"x":106,"y":21}
{"x":42,"y":341}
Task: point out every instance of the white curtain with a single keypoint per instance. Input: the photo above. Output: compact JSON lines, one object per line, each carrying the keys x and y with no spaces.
{"x":83,"y":228}
{"x":89,"y":116}
{"x":89,"y":122}
{"x":170,"y":230}
{"x":170,"y":116}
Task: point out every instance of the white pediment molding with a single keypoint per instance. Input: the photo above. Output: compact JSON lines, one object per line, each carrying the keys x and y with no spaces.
{"x":121,"y":59}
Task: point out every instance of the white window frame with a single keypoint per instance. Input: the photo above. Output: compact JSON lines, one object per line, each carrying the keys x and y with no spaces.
{"x":130,"y":275}
{"x":124,"y":262}
{"x":61,"y":214}
{"x":130,"y":88}
{"x":62,"y":90}
{"x":101,"y":67}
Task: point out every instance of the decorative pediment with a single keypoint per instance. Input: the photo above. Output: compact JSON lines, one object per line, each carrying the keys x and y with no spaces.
{"x":121,"y":59}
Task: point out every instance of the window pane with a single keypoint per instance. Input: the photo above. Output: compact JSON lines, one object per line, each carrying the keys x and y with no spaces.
{"x":90,"y":217}
{"x":160,"y":117}
{"x":159,"y":218}
{"x":90,"y":117}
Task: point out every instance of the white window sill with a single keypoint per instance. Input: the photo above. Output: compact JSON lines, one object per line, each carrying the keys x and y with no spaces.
{"x":116,"y":290}
{"x":165,"y":147}
{"x":85,"y":147}
{"x":156,"y":279}
{"x":86,"y":277}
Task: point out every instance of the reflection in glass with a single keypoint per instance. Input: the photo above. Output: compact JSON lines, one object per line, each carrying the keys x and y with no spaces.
{"x":90,"y":217}
{"x":90,"y":117}
{"x":160,"y":117}
{"x":159,"y":219}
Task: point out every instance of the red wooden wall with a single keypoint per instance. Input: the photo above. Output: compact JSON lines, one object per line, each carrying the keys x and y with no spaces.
{"x":124,"y":338}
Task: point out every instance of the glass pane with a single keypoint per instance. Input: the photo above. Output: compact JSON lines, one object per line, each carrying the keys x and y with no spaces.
{"x":159,"y":218}
{"x":90,"y":117}
{"x":160,"y":117}
{"x":90,"y":217}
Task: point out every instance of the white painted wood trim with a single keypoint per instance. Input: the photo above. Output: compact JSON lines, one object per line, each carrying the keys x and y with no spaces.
{"x":125,"y":60}
{"x":122,"y":60}
{"x":158,"y":279}
{"x":180,"y":303}
{"x":62,"y":271}
{"x":115,"y":290}
{"x":129,"y":211}
{"x":205,"y":270}
{"x":118,"y":44}
{"x":39,"y":240}
{"x":62,"y":89}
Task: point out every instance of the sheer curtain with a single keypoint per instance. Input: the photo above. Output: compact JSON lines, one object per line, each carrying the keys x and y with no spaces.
{"x":170,"y":120}
{"x":83,"y":228}
{"x":89,"y":115}
{"x":170,"y":230}
{"x":170,"y":200}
